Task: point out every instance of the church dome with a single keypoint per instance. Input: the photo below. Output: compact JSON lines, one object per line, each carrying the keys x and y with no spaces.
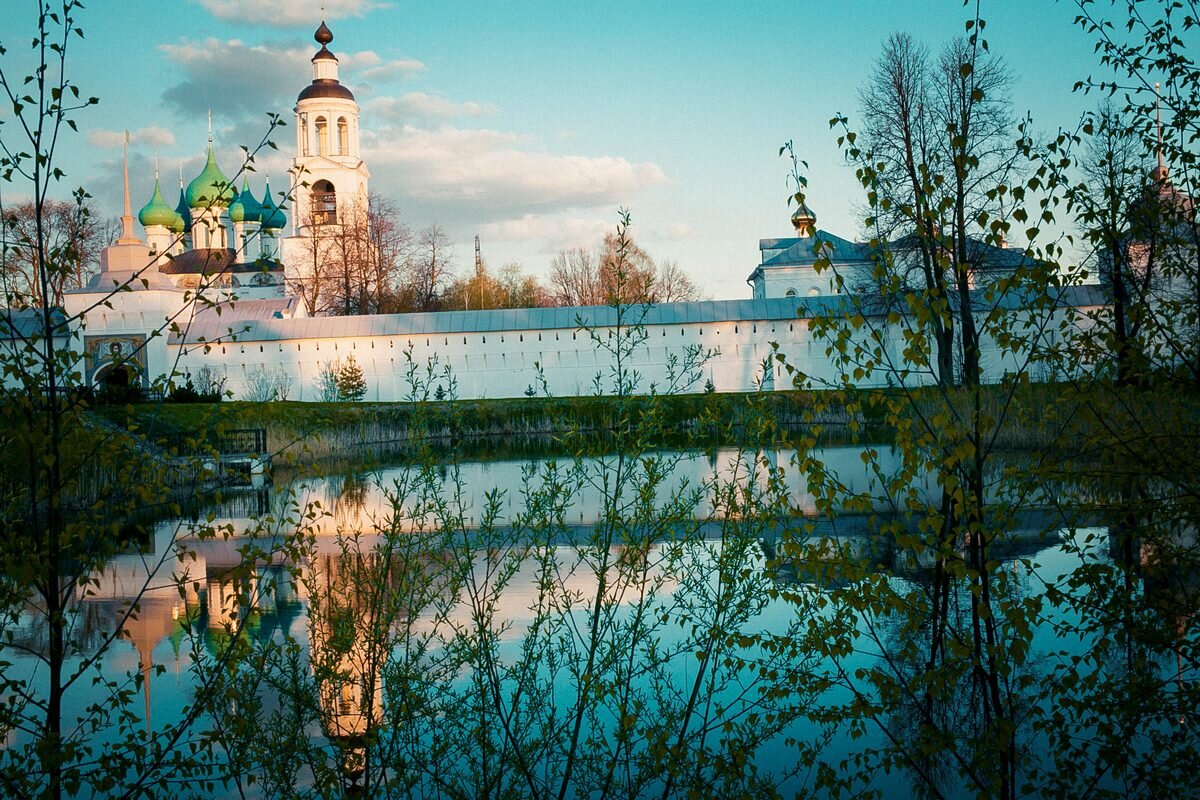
{"x":157,"y":212}
{"x":210,"y":187}
{"x":804,"y":220}
{"x":273,"y":217}
{"x":245,"y":208}
{"x":183,"y":212}
{"x":324,"y":89}
{"x":323,"y":35}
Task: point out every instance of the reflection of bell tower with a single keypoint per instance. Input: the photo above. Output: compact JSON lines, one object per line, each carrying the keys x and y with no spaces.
{"x":347,"y":660}
{"x":329,"y":173}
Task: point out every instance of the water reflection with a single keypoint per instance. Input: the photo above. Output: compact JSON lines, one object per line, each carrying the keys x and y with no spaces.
{"x":390,"y":582}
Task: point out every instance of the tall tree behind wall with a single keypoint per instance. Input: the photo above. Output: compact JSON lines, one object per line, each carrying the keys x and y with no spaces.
{"x":74,"y":236}
{"x":357,"y":264}
{"x":581,"y":277}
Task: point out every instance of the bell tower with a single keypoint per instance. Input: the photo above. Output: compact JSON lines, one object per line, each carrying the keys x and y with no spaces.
{"x":328,"y":172}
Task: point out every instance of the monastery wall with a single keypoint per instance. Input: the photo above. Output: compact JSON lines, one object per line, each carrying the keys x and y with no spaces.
{"x":475,"y":355}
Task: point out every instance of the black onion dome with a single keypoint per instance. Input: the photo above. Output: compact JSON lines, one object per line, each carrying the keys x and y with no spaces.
{"x":324,"y":36}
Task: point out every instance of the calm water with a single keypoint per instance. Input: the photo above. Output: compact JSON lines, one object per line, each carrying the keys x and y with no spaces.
{"x":174,"y":628}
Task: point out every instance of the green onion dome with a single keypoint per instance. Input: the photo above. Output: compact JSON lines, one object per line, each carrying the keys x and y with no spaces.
{"x":183,"y":212}
{"x":211,"y":187}
{"x":272,"y":217}
{"x":245,"y":208}
{"x":157,"y":212}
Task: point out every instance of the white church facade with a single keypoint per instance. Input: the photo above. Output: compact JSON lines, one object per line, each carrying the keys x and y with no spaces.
{"x":243,"y":256}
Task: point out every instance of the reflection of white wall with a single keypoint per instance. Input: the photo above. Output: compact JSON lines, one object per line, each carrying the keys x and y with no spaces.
{"x":469,"y":484}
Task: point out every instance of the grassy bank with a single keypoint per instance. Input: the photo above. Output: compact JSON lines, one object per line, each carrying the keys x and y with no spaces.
{"x":1037,"y":416}
{"x":307,"y":432}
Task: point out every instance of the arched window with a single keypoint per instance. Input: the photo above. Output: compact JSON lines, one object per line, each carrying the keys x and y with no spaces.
{"x":343,"y":137}
{"x":324,"y":203}
{"x":322,"y":136}
{"x":814,"y":292}
{"x":790,"y":293}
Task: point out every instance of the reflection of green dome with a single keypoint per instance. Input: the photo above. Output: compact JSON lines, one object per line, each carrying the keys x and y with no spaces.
{"x":245,"y":208}
{"x":211,"y":187}
{"x":183,"y":212}
{"x":157,"y":212}
{"x":273,"y":217}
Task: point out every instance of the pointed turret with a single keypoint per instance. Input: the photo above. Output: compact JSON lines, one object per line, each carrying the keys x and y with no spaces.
{"x":272,"y":216}
{"x":182,"y":209}
{"x":245,"y":208}
{"x":127,"y":233}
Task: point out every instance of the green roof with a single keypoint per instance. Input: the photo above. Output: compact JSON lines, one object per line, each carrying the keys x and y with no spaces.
{"x":273,"y":217}
{"x":245,"y":208}
{"x":157,"y":212}
{"x":211,"y":187}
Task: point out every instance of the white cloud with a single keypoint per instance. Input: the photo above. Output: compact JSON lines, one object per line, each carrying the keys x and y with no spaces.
{"x":554,"y":232}
{"x":287,"y":13}
{"x":389,"y":70}
{"x":486,"y":171}
{"x":419,"y":105}
{"x":152,"y":135}
{"x":676,"y":232}
{"x":234,"y":79}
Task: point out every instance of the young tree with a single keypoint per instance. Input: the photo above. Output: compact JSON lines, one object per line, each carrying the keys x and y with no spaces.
{"x":73,"y":486}
{"x":934,"y":156}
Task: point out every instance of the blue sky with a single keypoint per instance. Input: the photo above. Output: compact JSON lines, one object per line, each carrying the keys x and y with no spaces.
{"x":530,"y":123}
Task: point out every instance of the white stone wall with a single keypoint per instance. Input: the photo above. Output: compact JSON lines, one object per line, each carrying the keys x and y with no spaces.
{"x":499,"y":364}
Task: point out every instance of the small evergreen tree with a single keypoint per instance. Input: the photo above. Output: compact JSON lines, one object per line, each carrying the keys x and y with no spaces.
{"x":351,"y":383}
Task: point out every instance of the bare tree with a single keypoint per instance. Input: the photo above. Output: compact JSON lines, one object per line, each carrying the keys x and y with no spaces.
{"x":73,"y":236}
{"x":354,"y":265}
{"x":581,"y":277}
{"x":936,"y":141}
{"x":575,"y":278}
{"x":673,"y":285}
{"x":430,"y":268}
{"x":391,"y":248}
{"x":315,"y":262}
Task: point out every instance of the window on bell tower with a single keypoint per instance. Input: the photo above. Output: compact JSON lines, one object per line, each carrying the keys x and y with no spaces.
{"x":322,"y":136}
{"x":343,"y":137}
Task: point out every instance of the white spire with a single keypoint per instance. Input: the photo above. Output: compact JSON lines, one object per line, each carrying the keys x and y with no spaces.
{"x":127,"y":234}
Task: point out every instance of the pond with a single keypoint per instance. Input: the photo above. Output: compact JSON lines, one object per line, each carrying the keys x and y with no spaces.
{"x":537,"y":627}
